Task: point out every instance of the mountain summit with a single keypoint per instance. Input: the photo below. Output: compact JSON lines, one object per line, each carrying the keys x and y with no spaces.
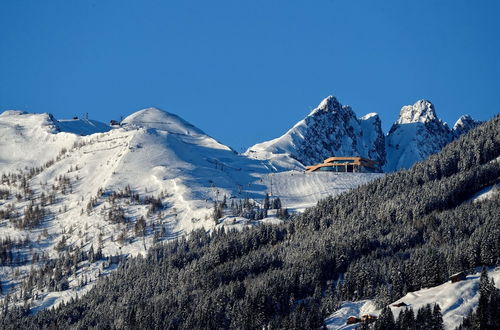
{"x":417,"y":134}
{"x":162,"y":120}
{"x":464,"y":124}
{"x":420,"y":112}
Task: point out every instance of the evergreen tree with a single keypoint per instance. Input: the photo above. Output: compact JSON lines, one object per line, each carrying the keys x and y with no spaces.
{"x":267,"y":203}
{"x":385,"y":320}
{"x":424,"y":319}
{"x":437,"y":318}
{"x":488,"y":309}
{"x":406,"y":319}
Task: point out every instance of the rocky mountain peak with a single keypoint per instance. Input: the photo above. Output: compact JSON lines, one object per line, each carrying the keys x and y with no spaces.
{"x":330,"y":103}
{"x":420,"y":112}
{"x":417,"y":134}
{"x":464,"y":124}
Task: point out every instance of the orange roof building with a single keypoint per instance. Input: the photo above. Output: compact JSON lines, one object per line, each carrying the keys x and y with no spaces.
{"x":346,"y":164}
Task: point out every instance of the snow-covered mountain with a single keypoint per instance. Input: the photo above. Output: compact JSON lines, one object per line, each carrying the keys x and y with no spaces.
{"x":334,"y":130}
{"x":30,"y":140}
{"x":464,"y":124}
{"x":73,"y":186}
{"x":417,"y":134}
{"x":330,"y":129}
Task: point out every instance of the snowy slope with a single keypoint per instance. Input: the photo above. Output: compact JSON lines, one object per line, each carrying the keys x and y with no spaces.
{"x":455,"y":299}
{"x":80,"y":126}
{"x":171,"y":156}
{"x":486,"y":193}
{"x":299,"y":190}
{"x":330,"y":129}
{"x":350,"y":308}
{"x":373,"y":138}
{"x":30,"y":140}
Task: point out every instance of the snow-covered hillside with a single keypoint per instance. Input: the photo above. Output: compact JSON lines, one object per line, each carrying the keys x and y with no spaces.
{"x":455,"y":299}
{"x":30,"y":140}
{"x":70,"y":191}
{"x":299,"y":190}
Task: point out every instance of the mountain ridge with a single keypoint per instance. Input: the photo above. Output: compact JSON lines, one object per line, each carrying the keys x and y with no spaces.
{"x":332,"y":129}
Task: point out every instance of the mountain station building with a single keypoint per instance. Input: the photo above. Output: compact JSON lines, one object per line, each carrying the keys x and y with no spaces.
{"x":346,"y":164}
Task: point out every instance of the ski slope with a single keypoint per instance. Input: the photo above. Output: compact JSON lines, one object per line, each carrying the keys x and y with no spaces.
{"x":299,"y":190}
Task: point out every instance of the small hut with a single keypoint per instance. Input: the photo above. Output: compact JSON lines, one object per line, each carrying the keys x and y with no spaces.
{"x":368,"y":318}
{"x":353,"y":320}
{"x":401,"y":304}
{"x":458,"y":277}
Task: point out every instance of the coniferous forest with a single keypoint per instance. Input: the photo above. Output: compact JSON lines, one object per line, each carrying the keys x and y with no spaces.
{"x":402,"y":232}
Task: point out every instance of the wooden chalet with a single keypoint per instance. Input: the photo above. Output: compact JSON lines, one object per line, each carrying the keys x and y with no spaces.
{"x":346,"y":164}
{"x":368,"y":318}
{"x":458,"y":277}
{"x":353,"y":320}
{"x":401,"y":304}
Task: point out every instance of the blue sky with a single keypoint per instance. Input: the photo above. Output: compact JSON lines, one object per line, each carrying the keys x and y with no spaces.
{"x":246,"y":71}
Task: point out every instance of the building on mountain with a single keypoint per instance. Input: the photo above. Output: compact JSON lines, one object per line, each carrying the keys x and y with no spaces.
{"x":401,"y":304}
{"x":353,"y":320}
{"x":368,"y":318}
{"x":458,"y":277}
{"x":346,"y":164}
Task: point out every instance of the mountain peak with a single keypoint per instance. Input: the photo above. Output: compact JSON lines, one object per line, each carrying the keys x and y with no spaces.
{"x":371,"y":115}
{"x":154,"y":118}
{"x":420,"y":112}
{"x":13,"y":113}
{"x":407,"y":144}
{"x":329,"y":104}
{"x":464,"y":124}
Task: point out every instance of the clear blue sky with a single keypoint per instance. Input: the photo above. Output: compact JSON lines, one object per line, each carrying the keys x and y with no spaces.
{"x":246,"y":71}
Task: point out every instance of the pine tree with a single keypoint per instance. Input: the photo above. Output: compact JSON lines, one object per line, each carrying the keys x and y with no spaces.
{"x":424,"y":317}
{"x":437,"y":318}
{"x":488,"y":307}
{"x":267,"y":203}
{"x":406,"y":319}
{"x":385,"y":320}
